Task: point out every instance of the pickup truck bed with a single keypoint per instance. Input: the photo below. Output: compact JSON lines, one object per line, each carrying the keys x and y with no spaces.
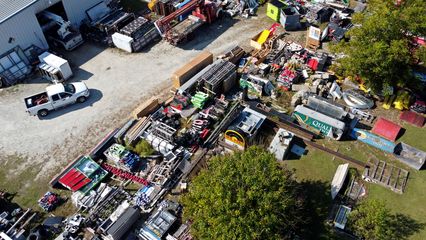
{"x":37,"y":99}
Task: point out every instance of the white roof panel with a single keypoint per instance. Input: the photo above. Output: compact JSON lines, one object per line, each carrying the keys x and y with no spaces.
{"x":55,"y":89}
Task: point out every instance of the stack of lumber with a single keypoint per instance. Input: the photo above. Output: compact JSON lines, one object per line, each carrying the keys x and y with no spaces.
{"x":137,"y":129}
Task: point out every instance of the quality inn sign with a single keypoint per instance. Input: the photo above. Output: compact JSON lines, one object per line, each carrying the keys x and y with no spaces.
{"x":322,"y":127}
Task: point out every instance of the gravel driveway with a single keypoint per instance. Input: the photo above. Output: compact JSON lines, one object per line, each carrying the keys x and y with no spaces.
{"x":118,"y":82}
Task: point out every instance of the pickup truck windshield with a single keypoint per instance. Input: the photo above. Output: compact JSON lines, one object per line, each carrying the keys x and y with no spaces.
{"x":69,"y":88}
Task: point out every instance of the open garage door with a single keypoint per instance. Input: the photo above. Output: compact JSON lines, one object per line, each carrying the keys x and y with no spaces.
{"x":57,"y":29}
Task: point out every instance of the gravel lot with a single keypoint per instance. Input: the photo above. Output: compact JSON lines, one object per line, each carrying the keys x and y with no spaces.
{"x":118,"y":82}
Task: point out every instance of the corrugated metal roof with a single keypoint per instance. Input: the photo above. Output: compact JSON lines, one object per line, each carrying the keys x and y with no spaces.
{"x":9,"y":8}
{"x":124,"y":223}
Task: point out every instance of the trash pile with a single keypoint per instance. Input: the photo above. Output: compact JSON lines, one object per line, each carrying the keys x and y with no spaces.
{"x":144,"y":196}
{"x":244,"y":8}
{"x":220,"y":106}
{"x":73,"y":223}
{"x":49,"y":201}
{"x":123,"y":157}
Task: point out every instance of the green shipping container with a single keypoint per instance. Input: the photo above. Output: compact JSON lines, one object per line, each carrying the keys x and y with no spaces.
{"x":321,"y":126}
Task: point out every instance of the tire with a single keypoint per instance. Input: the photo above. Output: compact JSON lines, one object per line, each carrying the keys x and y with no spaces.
{"x":43,"y":113}
{"x":81,"y":99}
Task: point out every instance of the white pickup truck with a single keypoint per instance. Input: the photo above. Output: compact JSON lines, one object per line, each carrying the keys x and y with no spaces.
{"x":56,"y":96}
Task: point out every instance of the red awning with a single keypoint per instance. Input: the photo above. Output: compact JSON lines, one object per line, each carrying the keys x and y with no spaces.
{"x":412,"y":118}
{"x":386,"y":129}
{"x":74,"y":180}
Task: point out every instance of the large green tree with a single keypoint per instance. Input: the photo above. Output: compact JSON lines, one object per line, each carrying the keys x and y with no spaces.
{"x":372,"y":220}
{"x":243,"y":196}
{"x":380,"y":50}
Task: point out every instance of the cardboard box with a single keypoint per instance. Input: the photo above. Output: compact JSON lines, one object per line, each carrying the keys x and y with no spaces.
{"x":191,"y":68}
{"x":254,"y":43}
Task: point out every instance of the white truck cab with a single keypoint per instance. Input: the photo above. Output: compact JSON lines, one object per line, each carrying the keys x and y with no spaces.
{"x":56,"y":96}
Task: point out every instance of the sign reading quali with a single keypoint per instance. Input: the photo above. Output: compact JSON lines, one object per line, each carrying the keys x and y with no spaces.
{"x":321,"y":126}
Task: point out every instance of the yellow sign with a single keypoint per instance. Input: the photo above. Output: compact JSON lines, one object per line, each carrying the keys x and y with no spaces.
{"x":235,"y":137}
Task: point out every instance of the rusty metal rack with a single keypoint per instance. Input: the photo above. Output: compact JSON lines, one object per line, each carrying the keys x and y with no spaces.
{"x":134,"y":28}
{"x":142,"y":31}
{"x":219,"y":72}
{"x":163,"y":131}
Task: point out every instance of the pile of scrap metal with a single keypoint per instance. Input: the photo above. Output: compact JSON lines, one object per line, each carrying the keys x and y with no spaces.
{"x":103,"y":209}
{"x":340,"y":23}
{"x":233,"y":55}
{"x":163,"y":173}
{"x":191,"y":15}
{"x":86,"y":201}
{"x":134,"y":36}
{"x":110,"y":25}
{"x":147,"y":196}
{"x":244,"y":8}
{"x":122,"y":157}
{"x":256,"y":86}
{"x":72,"y":225}
{"x":104,"y":20}
{"x":218,"y":77}
{"x":160,"y":221}
{"x":49,"y":201}
{"x":290,"y":13}
{"x":277,"y":64}
{"x":12,"y":224}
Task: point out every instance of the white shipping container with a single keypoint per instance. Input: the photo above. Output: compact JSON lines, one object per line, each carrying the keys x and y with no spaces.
{"x":122,"y":42}
{"x":56,"y":62}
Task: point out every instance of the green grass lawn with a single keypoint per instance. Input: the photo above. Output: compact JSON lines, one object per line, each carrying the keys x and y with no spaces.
{"x":320,"y":166}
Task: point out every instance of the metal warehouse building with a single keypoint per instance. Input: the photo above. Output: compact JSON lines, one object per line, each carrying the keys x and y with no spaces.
{"x":21,"y":36}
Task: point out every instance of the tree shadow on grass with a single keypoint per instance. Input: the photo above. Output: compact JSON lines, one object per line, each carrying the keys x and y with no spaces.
{"x":403,"y":226}
{"x":316,"y":207}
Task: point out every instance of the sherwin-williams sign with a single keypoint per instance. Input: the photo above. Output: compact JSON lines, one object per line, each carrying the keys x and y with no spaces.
{"x":324,"y":128}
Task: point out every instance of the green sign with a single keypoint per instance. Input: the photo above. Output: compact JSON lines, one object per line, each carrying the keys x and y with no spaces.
{"x":322,"y":127}
{"x":252,"y":89}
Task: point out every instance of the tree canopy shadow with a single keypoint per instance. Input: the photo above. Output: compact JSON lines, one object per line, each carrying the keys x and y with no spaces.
{"x":316,"y":205}
{"x":403,"y":226}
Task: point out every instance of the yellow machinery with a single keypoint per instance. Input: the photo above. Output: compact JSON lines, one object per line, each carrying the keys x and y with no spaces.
{"x":388,"y":101}
{"x":263,"y":37}
{"x":151,"y":4}
{"x":402,"y":100}
{"x":364,"y":88}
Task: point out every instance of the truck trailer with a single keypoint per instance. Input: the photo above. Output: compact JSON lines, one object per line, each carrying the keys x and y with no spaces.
{"x":325,"y":125}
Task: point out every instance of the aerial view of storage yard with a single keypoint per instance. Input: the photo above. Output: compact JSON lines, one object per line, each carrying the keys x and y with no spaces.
{"x":212,"y":119}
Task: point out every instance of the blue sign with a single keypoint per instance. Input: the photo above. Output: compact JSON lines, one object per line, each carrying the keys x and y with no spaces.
{"x":373,"y":140}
